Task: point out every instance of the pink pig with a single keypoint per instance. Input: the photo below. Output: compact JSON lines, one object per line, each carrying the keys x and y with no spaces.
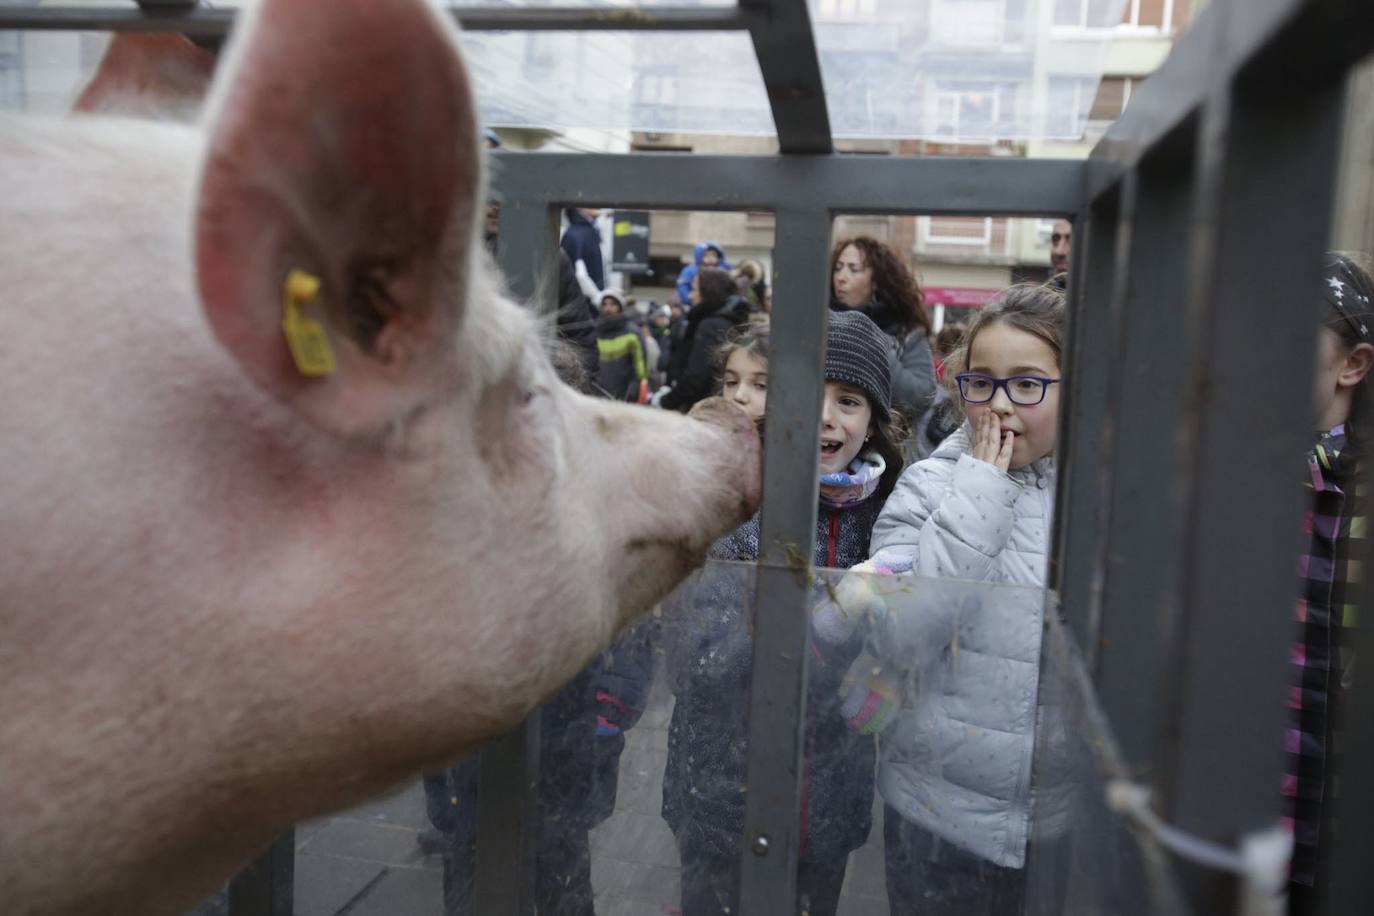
{"x":240,"y":588}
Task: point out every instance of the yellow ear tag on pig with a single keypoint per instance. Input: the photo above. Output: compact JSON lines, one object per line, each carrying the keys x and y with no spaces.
{"x":304,"y":335}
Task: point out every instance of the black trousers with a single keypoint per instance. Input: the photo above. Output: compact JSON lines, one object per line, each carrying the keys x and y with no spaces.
{"x":710,"y":883}
{"x":927,"y":876}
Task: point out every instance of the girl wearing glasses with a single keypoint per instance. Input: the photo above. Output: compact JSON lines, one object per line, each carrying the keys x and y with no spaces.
{"x":954,"y":767}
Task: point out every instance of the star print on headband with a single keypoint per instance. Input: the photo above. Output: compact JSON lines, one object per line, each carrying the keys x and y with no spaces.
{"x":1348,"y":292}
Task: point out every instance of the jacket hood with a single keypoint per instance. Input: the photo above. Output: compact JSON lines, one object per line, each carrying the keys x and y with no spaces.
{"x":615,"y":293}
{"x":575,"y":217}
{"x":702,"y":247}
{"x":735,"y":307}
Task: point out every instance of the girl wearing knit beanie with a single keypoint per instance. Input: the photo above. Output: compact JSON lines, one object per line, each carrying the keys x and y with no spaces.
{"x":710,"y":648}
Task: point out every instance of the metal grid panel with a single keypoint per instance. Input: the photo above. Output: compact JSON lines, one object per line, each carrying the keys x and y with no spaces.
{"x":1084,"y":425}
{"x":1313,"y":38}
{"x":1219,"y":770}
{"x":837,"y":183}
{"x":192,"y":19}
{"x":1138,"y":578}
{"x":786,"y":545}
{"x":1257,"y":238}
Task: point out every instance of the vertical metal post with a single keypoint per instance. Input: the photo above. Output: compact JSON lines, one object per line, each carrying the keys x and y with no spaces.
{"x":506,"y":811}
{"x":782,"y":618}
{"x":527,"y":250}
{"x":1267,"y":160}
{"x":267,"y":886}
{"x":1080,"y":518}
{"x":509,"y":769}
{"x":1138,"y":598}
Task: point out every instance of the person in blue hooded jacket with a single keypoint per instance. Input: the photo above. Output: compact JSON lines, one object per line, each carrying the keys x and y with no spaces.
{"x":706,"y":254}
{"x":582,"y":241}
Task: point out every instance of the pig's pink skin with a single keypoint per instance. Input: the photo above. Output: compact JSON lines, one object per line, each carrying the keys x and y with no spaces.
{"x":228,"y":603}
{"x":149,"y":74}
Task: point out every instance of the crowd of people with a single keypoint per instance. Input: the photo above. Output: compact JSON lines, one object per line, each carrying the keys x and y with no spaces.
{"x":936,"y":459}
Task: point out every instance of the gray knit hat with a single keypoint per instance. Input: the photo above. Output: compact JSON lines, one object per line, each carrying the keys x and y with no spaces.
{"x":858,"y":353}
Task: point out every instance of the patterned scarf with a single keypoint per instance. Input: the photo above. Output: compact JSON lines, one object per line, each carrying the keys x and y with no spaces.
{"x":855,"y":483}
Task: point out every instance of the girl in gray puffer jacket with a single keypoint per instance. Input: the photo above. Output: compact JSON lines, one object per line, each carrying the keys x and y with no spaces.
{"x":955,"y":765}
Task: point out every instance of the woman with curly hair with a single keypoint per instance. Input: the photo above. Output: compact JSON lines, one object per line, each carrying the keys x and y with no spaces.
{"x":867,"y":276}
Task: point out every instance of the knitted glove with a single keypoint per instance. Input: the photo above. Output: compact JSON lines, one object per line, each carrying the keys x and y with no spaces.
{"x":609,"y":714}
{"x":868,"y":696}
{"x":843,"y":605}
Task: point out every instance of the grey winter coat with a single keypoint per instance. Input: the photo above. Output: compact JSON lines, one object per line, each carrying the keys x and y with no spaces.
{"x":913,"y":375}
{"x":957,"y":759}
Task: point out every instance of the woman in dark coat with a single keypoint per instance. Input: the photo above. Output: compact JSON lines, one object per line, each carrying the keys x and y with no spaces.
{"x":867,"y":276}
{"x":717,"y":308}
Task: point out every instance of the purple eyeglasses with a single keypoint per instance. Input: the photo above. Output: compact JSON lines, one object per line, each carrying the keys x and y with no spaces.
{"x":1024,"y":390}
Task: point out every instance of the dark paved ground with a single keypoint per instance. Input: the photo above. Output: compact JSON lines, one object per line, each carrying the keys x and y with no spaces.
{"x":365,"y":862}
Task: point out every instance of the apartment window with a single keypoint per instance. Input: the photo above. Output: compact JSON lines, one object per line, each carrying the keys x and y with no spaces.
{"x":964,"y":23}
{"x":847,"y":9}
{"x":1086,"y":14}
{"x":1112,"y":95}
{"x":1067,"y":104}
{"x":975,"y":113}
{"x":656,"y":89}
{"x":968,"y":231}
{"x":13,"y":92}
{"x":1155,"y":15}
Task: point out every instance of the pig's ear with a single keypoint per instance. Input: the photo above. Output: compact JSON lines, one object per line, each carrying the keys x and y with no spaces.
{"x":152,"y":75}
{"x":336,"y":214}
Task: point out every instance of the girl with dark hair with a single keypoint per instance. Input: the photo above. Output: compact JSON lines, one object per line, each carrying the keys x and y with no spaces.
{"x":709,"y":644}
{"x":867,"y":276}
{"x":717,"y":308}
{"x":1321,"y":657}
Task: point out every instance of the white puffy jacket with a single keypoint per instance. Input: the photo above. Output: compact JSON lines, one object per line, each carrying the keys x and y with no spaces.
{"x":957,"y":758}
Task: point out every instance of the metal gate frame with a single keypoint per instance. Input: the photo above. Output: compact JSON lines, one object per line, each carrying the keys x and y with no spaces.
{"x":1200,"y":220}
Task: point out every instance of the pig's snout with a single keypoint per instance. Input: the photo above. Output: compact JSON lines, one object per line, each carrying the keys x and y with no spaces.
{"x":742,"y":439}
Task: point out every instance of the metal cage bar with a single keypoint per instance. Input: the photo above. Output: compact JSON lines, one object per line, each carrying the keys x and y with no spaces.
{"x":1257,"y":236}
{"x":1137,"y":597}
{"x":266,"y":886}
{"x":210,"y":22}
{"x":837,"y":183}
{"x":1081,"y":519}
{"x":785,"y":46}
{"x":777,"y":701}
{"x":1259,"y":81}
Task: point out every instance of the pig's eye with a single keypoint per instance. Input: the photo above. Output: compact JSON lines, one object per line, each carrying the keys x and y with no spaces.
{"x":531,"y":393}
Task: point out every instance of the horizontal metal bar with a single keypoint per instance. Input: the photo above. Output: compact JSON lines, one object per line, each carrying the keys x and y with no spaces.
{"x":1310,"y":39}
{"x":837,"y":183}
{"x":202,"y":21}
